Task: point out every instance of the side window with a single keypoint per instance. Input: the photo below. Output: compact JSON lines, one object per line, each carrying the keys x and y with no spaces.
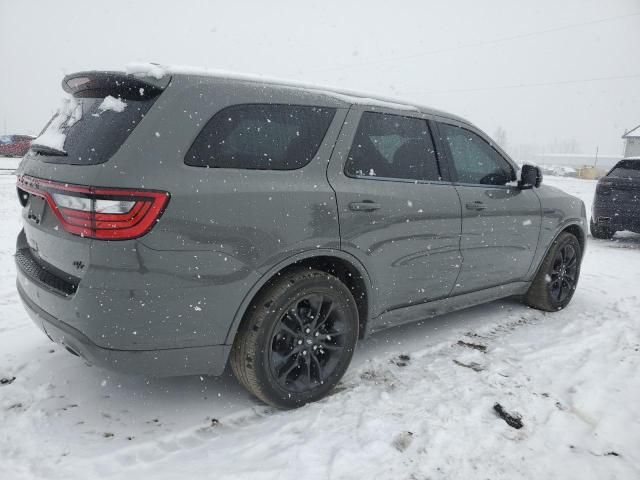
{"x":392,"y":146}
{"x":262,"y":137}
{"x":474,"y":159}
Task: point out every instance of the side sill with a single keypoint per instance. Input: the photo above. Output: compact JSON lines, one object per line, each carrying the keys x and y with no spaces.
{"x":426,"y":310}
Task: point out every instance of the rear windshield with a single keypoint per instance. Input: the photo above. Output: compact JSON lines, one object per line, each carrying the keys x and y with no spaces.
{"x":626,"y":169}
{"x":90,"y":129}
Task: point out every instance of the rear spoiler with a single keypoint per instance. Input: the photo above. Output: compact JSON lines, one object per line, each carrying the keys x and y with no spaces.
{"x":117,"y":84}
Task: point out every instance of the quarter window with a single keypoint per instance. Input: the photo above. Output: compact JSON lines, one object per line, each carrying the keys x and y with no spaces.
{"x":392,"y":146}
{"x":263,"y":137}
{"x":475,"y":161}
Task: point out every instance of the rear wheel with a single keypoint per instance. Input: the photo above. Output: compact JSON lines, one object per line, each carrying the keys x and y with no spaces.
{"x":297,"y":339}
{"x":556,"y":280}
{"x":600,"y":231}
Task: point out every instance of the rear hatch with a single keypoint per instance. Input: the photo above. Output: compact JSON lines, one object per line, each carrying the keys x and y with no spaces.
{"x":64,"y":208}
{"x":620,"y":189}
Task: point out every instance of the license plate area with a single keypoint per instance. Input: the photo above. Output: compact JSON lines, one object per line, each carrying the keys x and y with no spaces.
{"x":35,"y":209}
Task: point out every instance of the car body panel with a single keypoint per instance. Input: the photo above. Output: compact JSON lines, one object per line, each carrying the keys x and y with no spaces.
{"x":210,"y":360}
{"x":215,"y":239}
{"x":500,"y":225}
{"x":498,"y":243}
{"x":560,"y":211}
{"x":449,"y":304}
{"x":410,"y":245}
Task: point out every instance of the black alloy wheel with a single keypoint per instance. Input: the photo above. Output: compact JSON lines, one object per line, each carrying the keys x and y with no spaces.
{"x":557,"y":278}
{"x":297,"y":338}
{"x":308,"y":343}
{"x":563,"y":276}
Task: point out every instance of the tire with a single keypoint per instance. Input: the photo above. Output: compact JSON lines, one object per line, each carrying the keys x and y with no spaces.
{"x":557,"y":278}
{"x":601,"y":232}
{"x":285,"y":353}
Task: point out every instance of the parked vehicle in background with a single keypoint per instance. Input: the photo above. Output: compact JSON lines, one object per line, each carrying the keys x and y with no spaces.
{"x":616,"y":205}
{"x":177,"y":221}
{"x":14,"y":145}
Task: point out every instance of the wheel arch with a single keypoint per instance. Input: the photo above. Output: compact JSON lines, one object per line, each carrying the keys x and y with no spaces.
{"x":574,"y":227}
{"x":577,"y":231}
{"x":336,"y":262}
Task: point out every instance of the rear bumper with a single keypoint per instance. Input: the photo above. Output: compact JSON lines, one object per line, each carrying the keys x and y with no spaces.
{"x":209,"y":360}
{"x":134,"y":298}
{"x":615,"y":218}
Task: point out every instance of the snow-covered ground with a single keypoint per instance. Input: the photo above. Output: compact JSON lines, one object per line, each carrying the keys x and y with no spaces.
{"x":415,"y":404}
{"x":9,"y":164}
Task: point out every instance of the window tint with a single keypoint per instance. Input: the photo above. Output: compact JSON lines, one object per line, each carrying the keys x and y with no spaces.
{"x":94,"y":134}
{"x":474,"y":159}
{"x":392,"y":146}
{"x":264,"y":137}
{"x":626,"y":169}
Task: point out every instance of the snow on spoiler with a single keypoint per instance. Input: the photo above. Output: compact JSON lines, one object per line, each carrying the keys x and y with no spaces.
{"x":117,"y":84}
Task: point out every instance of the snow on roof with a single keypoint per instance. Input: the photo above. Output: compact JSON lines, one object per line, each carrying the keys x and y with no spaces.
{"x":634,"y":132}
{"x":158,"y":71}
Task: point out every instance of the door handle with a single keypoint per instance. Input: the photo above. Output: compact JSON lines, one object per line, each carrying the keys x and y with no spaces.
{"x":477,"y":205}
{"x":365,"y":206}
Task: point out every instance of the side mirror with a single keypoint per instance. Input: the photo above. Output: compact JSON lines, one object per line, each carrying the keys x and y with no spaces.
{"x":530,"y":176}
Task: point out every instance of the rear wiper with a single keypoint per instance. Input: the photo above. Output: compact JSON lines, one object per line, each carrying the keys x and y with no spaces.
{"x":46,"y":150}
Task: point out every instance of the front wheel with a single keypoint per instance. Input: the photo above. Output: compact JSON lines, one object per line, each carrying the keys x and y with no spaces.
{"x":297,"y":339}
{"x":557,"y":279}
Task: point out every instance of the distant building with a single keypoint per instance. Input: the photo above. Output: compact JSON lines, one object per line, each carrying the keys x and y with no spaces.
{"x":632,"y":142}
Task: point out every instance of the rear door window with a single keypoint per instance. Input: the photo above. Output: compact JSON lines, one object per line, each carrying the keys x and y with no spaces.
{"x":626,"y":169}
{"x":262,"y":137}
{"x":392,"y":146}
{"x":475,"y":161}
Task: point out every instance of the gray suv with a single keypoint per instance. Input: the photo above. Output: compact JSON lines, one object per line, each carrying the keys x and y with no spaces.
{"x":179,"y":222}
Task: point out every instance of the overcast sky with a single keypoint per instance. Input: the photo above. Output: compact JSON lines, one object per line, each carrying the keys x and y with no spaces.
{"x":542,"y":70}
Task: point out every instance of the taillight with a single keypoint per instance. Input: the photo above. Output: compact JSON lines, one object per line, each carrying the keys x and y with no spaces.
{"x":95,"y":212}
{"x":603,"y":188}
